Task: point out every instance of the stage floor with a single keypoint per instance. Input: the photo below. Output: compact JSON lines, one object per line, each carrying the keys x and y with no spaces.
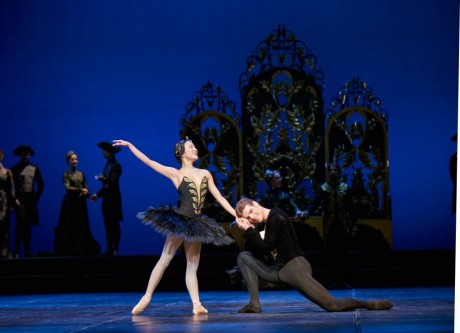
{"x":420,"y":310}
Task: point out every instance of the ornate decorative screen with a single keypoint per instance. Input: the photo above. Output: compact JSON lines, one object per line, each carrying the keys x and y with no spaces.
{"x":357,"y":140}
{"x":282,"y":116}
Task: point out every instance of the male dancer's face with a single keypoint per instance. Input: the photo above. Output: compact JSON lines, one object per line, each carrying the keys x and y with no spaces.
{"x":253,"y":213}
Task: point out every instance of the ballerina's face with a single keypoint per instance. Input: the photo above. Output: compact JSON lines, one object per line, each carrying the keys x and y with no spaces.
{"x":190,"y":151}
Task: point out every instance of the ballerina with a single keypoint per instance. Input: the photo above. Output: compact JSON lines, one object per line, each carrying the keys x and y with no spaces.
{"x":185,"y":224}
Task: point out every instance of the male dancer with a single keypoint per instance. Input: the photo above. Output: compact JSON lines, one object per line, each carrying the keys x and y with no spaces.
{"x":289,"y":266}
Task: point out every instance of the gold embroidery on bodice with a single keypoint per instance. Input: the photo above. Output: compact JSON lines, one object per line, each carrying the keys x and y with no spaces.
{"x":198,"y":198}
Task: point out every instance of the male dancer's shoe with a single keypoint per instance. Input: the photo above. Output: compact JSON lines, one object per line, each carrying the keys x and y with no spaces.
{"x":249,"y":308}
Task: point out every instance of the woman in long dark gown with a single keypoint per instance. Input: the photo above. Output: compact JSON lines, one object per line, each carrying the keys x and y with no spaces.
{"x":73,"y":234}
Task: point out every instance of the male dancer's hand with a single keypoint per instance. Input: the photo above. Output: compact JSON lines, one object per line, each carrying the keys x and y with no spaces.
{"x":243,"y":223}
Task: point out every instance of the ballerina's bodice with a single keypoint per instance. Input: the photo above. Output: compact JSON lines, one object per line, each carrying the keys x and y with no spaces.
{"x":192,"y":199}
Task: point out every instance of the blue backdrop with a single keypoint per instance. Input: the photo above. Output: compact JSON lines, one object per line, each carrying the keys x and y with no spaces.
{"x":74,"y":73}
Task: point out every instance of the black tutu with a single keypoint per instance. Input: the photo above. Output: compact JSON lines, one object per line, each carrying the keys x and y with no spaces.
{"x":168,"y":222}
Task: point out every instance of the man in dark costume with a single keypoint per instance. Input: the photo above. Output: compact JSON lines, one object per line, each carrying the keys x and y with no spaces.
{"x":339,"y":223}
{"x":275,"y":196}
{"x":289,"y":266}
{"x":111,"y":197}
{"x":29,"y":187}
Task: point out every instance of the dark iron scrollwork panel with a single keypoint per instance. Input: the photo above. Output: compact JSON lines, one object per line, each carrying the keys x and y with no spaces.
{"x":357,"y":139}
{"x":212,"y":123}
{"x":282,"y":116}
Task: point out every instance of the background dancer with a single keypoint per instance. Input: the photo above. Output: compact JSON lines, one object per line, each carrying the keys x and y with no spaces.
{"x":29,"y":185}
{"x":110,"y":193}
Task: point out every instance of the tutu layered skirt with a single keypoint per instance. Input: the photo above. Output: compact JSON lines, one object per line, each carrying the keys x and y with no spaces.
{"x":168,"y":222}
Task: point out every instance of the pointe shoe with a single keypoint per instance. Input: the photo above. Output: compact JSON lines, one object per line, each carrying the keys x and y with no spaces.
{"x":199,"y":310}
{"x":143,"y":303}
